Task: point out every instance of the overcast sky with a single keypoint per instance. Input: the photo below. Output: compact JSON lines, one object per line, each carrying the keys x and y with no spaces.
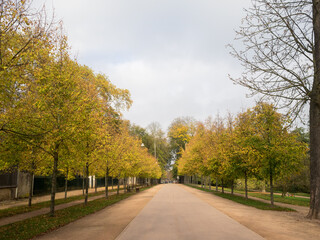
{"x":170,"y":54}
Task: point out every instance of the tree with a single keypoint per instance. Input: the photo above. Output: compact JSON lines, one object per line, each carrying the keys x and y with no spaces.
{"x":282,"y":61}
{"x":54,"y":107}
{"x":245,"y":153}
{"x":155,"y":141}
{"x":279,"y":151}
{"x":192,"y":161}
{"x":161,"y":148}
{"x":179,"y":133}
{"x":23,"y":33}
{"x":24,"y":37}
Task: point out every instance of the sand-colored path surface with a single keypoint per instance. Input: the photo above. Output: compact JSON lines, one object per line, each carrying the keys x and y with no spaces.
{"x":175,"y":213}
{"x":107,"y":223}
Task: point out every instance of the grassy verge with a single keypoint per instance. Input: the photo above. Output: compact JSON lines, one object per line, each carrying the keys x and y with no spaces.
{"x":35,"y":226}
{"x":302,"y":194}
{"x":299,"y":201}
{"x":8,"y":212}
{"x":289,"y":200}
{"x":244,"y":201}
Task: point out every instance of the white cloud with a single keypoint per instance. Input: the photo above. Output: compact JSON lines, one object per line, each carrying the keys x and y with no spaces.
{"x":163,"y":91}
{"x":170,"y":54}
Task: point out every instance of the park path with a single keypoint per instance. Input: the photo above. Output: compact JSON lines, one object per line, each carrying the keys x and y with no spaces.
{"x":175,"y":213}
{"x":162,"y":212}
{"x":181,"y":212}
{"x":107,"y":223}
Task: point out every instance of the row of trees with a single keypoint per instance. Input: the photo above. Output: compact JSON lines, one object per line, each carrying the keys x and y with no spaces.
{"x":55,"y":114}
{"x":280,"y":54}
{"x":255,"y":144}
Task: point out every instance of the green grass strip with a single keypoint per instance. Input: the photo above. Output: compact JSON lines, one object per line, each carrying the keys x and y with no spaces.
{"x":302,"y":194}
{"x":299,"y":201}
{"x":288,"y":200}
{"x":8,"y":212}
{"x":244,"y":201}
{"x":35,"y":226}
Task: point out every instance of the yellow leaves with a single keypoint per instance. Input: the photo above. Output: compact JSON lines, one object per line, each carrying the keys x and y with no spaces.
{"x":124,"y":156}
{"x":59,"y":106}
{"x":257,"y":138}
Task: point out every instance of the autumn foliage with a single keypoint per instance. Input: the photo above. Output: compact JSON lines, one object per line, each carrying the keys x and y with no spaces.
{"x":56,"y":115}
{"x":255,"y":144}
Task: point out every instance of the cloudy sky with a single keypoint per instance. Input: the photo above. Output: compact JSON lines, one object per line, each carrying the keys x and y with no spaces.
{"x":170,"y":54}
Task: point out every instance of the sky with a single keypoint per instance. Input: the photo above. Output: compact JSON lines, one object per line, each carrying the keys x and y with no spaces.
{"x":170,"y":54}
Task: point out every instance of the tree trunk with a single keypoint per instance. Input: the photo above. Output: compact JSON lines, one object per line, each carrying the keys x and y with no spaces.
{"x":222,"y":187}
{"x":87,"y":183}
{"x":315,"y":120}
{"x":112,"y":183}
{"x":284,"y":189}
{"x":210,"y":183}
{"x":271,"y":186}
{"x":107,"y":183}
{"x":118,"y":188}
{"x":95,"y":184}
{"x":30,"y":189}
{"x":54,"y":181}
{"x":66,"y":185}
{"x":217,"y":187}
{"x":83,"y":182}
{"x":246,"y":184}
{"x":263,"y":186}
{"x":205,"y":182}
{"x":232,"y":186}
{"x":201,"y":181}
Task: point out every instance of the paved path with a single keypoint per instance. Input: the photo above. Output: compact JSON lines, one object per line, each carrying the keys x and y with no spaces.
{"x":162,"y":212}
{"x":175,"y":213}
{"x":107,"y":223}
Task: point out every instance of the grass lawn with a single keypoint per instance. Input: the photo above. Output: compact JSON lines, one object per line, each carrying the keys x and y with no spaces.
{"x":277,"y":198}
{"x":302,"y":194}
{"x":8,"y":212}
{"x":244,"y":201}
{"x":35,"y":226}
{"x":289,"y":200}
